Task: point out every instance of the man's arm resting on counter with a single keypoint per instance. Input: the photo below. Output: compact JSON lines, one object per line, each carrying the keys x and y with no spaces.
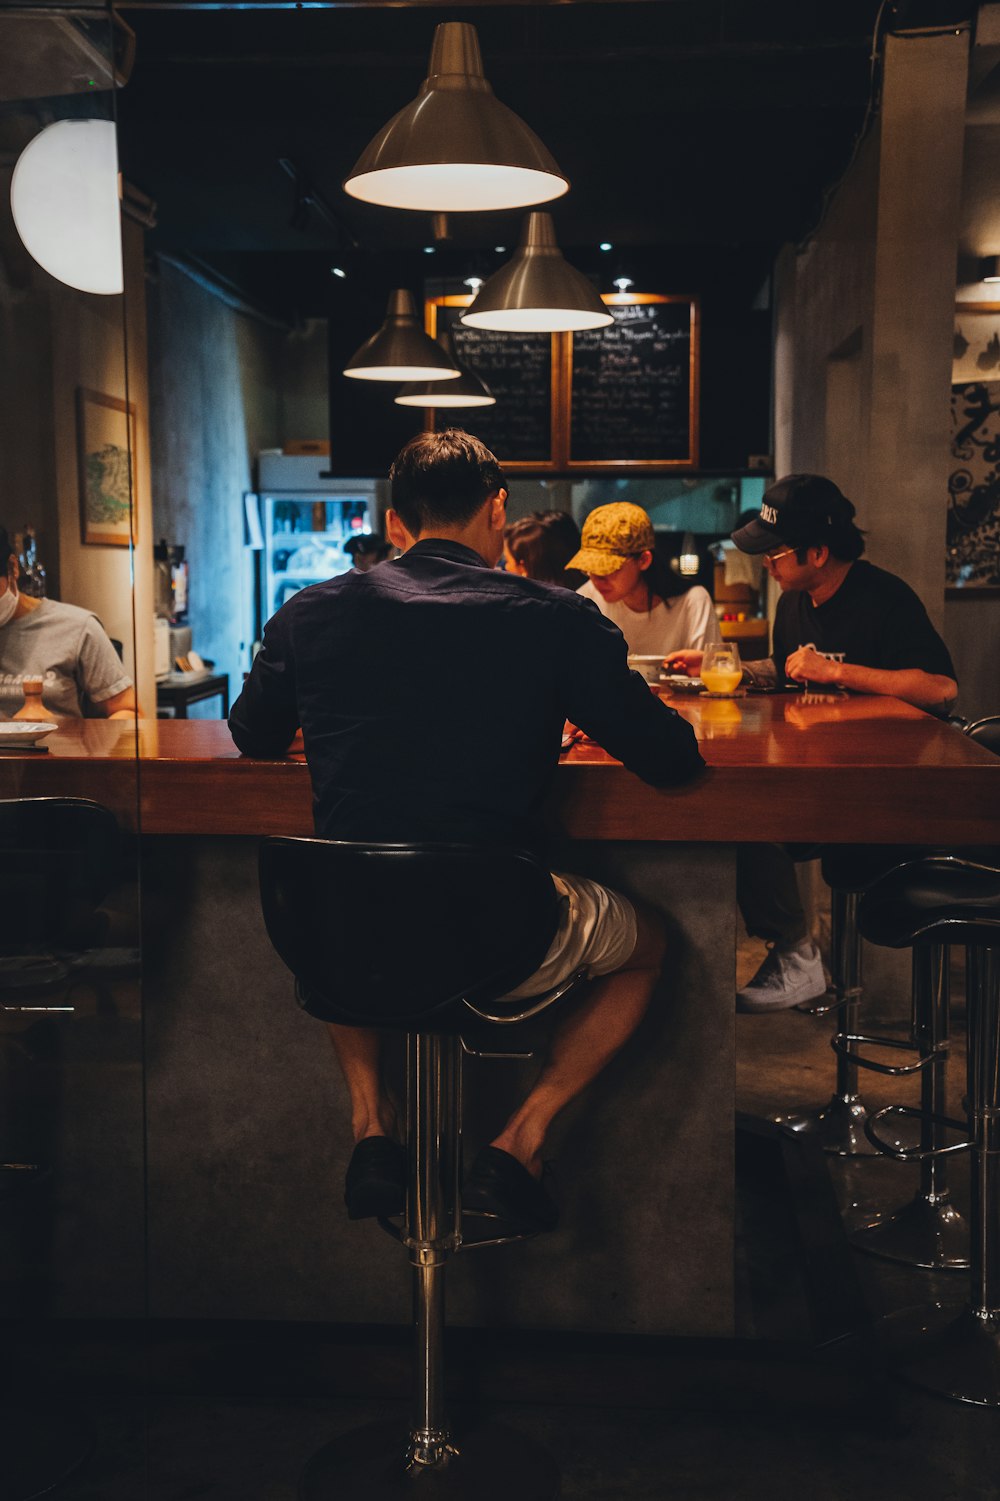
{"x":265,"y":718}
{"x":120,"y":705}
{"x":925,"y":690}
{"x":616,"y":708}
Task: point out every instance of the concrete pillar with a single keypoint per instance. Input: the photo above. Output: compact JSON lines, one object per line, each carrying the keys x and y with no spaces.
{"x":919,"y":186}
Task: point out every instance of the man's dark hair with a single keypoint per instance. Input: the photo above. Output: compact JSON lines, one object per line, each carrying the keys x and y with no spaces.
{"x":442,"y":479}
{"x":845,"y":540}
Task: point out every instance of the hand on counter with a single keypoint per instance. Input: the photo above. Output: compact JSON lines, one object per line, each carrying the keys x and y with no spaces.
{"x":687,"y":663}
{"x":807,"y":666}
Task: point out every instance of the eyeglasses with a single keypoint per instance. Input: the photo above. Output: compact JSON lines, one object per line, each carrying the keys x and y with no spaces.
{"x":773,"y":557}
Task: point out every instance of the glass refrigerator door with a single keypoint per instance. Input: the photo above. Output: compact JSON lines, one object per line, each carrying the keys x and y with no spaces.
{"x":304,"y":540}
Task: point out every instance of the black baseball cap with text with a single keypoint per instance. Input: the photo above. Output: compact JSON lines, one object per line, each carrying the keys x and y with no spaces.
{"x":801,"y":510}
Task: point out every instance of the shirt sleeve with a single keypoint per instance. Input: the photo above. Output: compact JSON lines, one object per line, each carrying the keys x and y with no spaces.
{"x":702,"y":621}
{"x":909,"y":640}
{"x":616,"y":708}
{"x":100,"y":674}
{"x":265,"y":716}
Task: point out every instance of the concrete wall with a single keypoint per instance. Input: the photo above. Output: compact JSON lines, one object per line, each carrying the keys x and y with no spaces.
{"x":214,"y":388}
{"x":864,"y":319}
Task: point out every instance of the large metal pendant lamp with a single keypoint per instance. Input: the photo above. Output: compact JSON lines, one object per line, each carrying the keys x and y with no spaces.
{"x":456,"y":148}
{"x":537,"y":291}
{"x":467,"y":391}
{"x":64,"y":201}
{"x":400,"y":350}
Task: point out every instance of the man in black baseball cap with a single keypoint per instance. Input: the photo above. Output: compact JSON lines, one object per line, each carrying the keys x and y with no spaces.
{"x":843,"y":622}
{"x":799,"y":510}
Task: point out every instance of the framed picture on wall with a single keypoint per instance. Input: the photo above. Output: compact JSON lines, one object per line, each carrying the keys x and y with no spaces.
{"x":105,"y":441}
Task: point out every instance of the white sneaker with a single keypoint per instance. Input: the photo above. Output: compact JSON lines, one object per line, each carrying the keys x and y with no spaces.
{"x":786,"y":978}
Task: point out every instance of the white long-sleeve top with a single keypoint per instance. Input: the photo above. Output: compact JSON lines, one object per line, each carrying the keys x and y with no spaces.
{"x":687,"y":622}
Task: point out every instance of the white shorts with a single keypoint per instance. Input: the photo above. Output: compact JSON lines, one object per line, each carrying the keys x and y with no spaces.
{"x":597,"y":930}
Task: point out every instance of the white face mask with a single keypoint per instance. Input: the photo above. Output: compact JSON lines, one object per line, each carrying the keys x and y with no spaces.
{"x":8,"y":602}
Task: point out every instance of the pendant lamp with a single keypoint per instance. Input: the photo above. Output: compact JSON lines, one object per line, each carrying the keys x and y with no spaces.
{"x":400,"y":350}
{"x":456,"y":148}
{"x":537,"y":291}
{"x":64,"y":200}
{"x":467,"y":391}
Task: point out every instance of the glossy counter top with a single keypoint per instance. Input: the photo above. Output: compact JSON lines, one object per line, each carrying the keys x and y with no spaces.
{"x":782,"y":767}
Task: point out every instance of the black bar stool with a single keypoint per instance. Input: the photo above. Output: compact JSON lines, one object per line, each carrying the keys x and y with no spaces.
{"x":450,"y":961}
{"x":58,"y":858}
{"x":840,"y":1124}
{"x":939,"y":900}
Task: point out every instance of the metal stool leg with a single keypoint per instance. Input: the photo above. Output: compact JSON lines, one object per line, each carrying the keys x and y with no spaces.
{"x":929,"y":1231}
{"x":960,"y":1358}
{"x":380,"y":1462}
{"x":840,"y":1124}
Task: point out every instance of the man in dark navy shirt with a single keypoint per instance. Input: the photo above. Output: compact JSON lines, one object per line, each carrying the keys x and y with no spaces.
{"x":432,"y":693}
{"x":840,"y":621}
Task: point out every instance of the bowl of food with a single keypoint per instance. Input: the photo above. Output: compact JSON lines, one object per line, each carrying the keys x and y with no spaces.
{"x":648,"y":667}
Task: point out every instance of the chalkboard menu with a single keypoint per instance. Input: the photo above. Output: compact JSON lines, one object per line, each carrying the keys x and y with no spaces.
{"x":623,"y":397}
{"x":632,"y":387}
{"x":518,"y":368}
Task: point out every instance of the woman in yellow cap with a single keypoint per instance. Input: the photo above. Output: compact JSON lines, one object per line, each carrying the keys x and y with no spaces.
{"x":631,"y":586}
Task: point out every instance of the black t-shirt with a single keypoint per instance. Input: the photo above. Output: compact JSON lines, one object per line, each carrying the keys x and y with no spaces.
{"x":874,"y":619}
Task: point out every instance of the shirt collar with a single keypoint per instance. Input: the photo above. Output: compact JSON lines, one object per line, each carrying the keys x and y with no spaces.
{"x":442,"y":547}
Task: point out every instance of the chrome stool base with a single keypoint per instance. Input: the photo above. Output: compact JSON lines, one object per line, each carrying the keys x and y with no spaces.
{"x":840,"y":1126}
{"x":490,"y":1463}
{"x":956,"y":1356}
{"x":924,"y":1233}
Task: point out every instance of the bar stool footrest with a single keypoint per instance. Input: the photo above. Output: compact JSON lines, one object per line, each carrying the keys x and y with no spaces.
{"x":914,"y":1154}
{"x":842,"y":1044}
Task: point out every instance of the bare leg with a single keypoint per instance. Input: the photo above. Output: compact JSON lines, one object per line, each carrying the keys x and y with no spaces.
{"x":586,"y":1042}
{"x":358,"y":1053}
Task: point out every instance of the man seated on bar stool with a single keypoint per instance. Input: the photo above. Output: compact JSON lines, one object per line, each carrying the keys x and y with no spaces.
{"x":840,"y":621}
{"x":431,"y":693}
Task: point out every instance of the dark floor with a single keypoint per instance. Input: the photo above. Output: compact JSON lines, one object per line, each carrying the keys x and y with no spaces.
{"x":796,"y":1406}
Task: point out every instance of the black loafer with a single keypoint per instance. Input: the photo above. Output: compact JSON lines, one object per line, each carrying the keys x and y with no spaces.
{"x":498,"y":1185}
{"x":376,"y":1178}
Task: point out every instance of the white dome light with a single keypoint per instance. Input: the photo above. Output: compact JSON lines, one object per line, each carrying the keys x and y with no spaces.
{"x":64,"y":198}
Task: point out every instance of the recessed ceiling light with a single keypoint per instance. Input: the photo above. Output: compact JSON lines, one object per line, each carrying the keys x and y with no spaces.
{"x":605,"y":245}
{"x":429,"y":249}
{"x":500,"y":249}
{"x":338,"y":271}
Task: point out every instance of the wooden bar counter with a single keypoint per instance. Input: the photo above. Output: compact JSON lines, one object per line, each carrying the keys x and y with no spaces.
{"x":234,"y":1090}
{"x":782,"y":767}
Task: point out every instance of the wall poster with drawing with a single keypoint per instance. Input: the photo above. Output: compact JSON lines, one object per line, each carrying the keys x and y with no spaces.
{"x":105,"y":436}
{"x":973,"y":547}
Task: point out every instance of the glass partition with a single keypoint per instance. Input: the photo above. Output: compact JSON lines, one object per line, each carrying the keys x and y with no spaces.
{"x":76,"y":573}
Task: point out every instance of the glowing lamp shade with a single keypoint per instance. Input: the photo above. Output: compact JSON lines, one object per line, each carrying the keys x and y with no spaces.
{"x":537,"y":291}
{"x":400,"y":350}
{"x":467,"y":391}
{"x":456,"y":148}
{"x":64,"y":199}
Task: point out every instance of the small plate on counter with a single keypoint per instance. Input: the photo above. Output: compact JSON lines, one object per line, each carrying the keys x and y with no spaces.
{"x":24,"y":734}
{"x":683,"y":684}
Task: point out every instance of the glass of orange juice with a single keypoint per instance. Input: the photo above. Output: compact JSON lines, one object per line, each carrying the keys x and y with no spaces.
{"x":721,"y":669}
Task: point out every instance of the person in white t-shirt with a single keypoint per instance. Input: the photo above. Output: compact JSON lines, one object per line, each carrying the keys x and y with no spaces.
{"x":631,"y":586}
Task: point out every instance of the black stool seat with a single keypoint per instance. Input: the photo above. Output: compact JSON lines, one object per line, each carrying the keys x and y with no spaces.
{"x":422,"y":929}
{"x":855,"y":867}
{"x":941,"y":899}
{"x":986,"y":732}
